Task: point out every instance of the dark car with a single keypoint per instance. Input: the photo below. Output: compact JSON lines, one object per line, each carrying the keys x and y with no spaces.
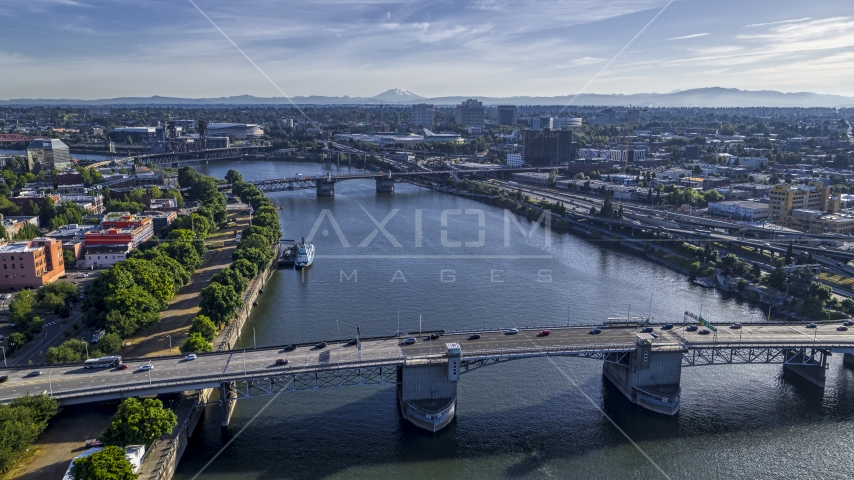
{"x":811,"y":325}
{"x":704,"y":332}
{"x":474,"y":336}
{"x":352,"y":342}
{"x":34,"y":373}
{"x":281,"y":361}
{"x":735,"y":326}
{"x":289,"y":348}
{"x":646,"y":330}
{"x":692,"y":328}
{"x":595,"y":331}
{"x":667,"y":326}
{"x":434,"y":336}
{"x":842,"y":328}
{"x":3,"y":378}
{"x":849,"y":323}
{"x":320,"y":345}
{"x":544,"y":333}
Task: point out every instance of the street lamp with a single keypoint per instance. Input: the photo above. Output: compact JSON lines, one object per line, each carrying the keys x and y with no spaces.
{"x":170,"y":342}
{"x":4,"y":357}
{"x":87,"y":350}
{"x":253,"y":339}
{"x":49,"y":384}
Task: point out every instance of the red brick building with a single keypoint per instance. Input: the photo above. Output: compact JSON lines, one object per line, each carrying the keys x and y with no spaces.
{"x":31,"y":264}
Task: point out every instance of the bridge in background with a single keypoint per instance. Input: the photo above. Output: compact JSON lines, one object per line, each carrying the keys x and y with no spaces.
{"x":645,"y":368}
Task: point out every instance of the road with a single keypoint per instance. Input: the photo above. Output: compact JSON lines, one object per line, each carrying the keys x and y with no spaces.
{"x":211,"y":368}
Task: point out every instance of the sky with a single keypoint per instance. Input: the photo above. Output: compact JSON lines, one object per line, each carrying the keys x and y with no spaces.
{"x":94,"y":49}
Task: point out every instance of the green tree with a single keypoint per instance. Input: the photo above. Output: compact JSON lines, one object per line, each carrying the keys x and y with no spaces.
{"x":27,"y":232}
{"x":260,"y":257}
{"x":245,"y":267}
{"x":16,"y":341}
{"x":110,"y":343}
{"x":108,"y":464}
{"x":203,"y":326}
{"x":219,"y":303}
{"x":233,"y":176}
{"x":139,"y":423}
{"x":21,"y":307}
{"x":184,"y":253}
{"x":232,"y":278}
{"x":196,"y":343}
{"x":69,"y":259}
{"x":21,"y":422}
{"x":756,"y":271}
{"x":70,"y":351}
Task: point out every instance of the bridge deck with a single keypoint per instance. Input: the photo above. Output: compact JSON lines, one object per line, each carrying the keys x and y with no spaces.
{"x":209,"y":369}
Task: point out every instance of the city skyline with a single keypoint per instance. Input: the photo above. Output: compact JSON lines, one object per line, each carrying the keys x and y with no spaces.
{"x":93,"y":49}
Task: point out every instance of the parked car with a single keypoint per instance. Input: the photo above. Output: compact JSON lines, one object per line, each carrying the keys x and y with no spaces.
{"x":281,"y":361}
{"x":595,"y":331}
{"x":704,"y":332}
{"x":646,"y":330}
{"x":320,"y":345}
{"x":191,"y":356}
{"x":122,"y":366}
{"x":511,"y":331}
{"x":811,"y":325}
{"x":34,"y":373}
{"x":735,"y":326}
{"x":842,"y":328}
{"x":474,"y":336}
{"x":544,"y":333}
{"x":289,"y":348}
{"x":667,"y":326}
{"x":94,"y":443}
{"x":691,"y":328}
{"x":409,"y":340}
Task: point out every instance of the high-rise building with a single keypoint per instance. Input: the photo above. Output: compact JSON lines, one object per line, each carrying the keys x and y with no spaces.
{"x":470,"y":113}
{"x":423,"y":115}
{"x":507,"y":115}
{"x":810,"y":208}
{"x":549,"y":147}
{"x":48,"y":154}
{"x":541,"y":122}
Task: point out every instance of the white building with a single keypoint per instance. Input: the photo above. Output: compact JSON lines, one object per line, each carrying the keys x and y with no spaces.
{"x":237,"y":130}
{"x":514,"y":160}
{"x":740,"y":209}
{"x":567,"y":122}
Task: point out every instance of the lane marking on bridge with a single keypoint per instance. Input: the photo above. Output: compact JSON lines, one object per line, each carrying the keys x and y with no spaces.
{"x":802,"y":333}
{"x":226,"y":363}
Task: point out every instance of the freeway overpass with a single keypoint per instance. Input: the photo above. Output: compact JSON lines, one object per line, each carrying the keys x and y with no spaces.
{"x":645,"y":369}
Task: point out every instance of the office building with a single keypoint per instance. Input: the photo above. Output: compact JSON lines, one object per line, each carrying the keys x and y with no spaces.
{"x":28,"y":201}
{"x":810,"y":208}
{"x":31,"y":264}
{"x":48,"y":154}
{"x":470,"y":113}
{"x":567,"y":122}
{"x":141,"y":227}
{"x":423,"y":115}
{"x":507,"y":115}
{"x":541,"y":122}
{"x":549,"y":147}
{"x":746,"y":210}
{"x":514,"y":160}
{"x":604,"y":117}
{"x":237,"y":130}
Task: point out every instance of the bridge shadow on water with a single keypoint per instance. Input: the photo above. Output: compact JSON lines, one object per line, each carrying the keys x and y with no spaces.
{"x":314,"y":435}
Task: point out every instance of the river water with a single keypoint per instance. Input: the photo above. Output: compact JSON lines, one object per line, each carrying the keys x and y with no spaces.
{"x":536,"y":418}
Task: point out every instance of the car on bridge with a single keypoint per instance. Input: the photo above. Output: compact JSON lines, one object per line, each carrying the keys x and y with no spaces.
{"x":474,"y":336}
{"x":146,"y":367}
{"x":122,"y":366}
{"x":3,"y":378}
{"x":191,"y":356}
{"x":352,"y":342}
{"x":434,"y":336}
{"x":409,"y":340}
{"x":289,"y":348}
{"x":34,"y":373}
{"x":544,"y":333}
{"x":281,"y":361}
{"x":842,"y":328}
{"x":595,"y":331}
{"x":691,"y":328}
{"x":735,"y":326}
{"x":320,"y":345}
{"x":511,"y":331}
{"x":849,"y":323}
{"x":646,"y":330}
{"x":812,"y":325}
{"x":667,"y":326}
{"x":704,"y":332}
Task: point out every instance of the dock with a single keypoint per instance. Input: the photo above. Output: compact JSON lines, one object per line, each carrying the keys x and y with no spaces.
{"x":287,"y":254}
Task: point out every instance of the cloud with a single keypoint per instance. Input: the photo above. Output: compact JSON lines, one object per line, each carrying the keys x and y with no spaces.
{"x":586,"y":61}
{"x":777,"y":23}
{"x":696,"y":35}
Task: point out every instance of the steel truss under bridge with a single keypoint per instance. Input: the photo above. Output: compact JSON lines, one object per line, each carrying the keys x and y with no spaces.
{"x":262,"y":386}
{"x":716,"y":355}
{"x":303,"y":184}
{"x":608,"y":353}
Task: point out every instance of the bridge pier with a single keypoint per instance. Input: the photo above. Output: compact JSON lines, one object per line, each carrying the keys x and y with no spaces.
{"x":326,"y":186}
{"x":385,"y":184}
{"x":427,"y":393}
{"x":227,"y":401}
{"x":649,"y":379}
{"x":848,"y":360}
{"x":809,"y":364}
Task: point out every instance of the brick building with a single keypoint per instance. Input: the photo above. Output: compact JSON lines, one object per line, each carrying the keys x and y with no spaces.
{"x":32,"y":263}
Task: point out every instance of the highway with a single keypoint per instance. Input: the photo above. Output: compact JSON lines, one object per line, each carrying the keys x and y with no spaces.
{"x":209,"y":370}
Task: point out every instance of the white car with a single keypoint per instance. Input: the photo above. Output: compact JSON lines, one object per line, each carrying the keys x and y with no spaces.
{"x":191,"y":356}
{"x":146,"y":367}
{"x":511,"y":331}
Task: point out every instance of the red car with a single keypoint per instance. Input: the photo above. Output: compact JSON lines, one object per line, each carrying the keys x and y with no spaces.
{"x":842,"y":328}
{"x":282,"y":361}
{"x":122,"y":366}
{"x":544,"y":333}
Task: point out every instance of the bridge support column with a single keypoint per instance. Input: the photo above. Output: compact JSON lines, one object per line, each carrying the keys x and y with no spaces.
{"x":326,"y":186}
{"x":385,"y":185}
{"x":809,"y":364}
{"x":649,"y":379}
{"x":226,"y":403}
{"x":848,"y":360}
{"x":428,"y":393}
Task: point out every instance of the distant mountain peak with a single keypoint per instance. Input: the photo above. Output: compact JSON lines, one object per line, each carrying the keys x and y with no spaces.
{"x":396,"y":94}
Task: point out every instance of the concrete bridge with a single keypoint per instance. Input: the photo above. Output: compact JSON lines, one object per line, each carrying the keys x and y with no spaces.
{"x":645,"y":368}
{"x":325,"y":184}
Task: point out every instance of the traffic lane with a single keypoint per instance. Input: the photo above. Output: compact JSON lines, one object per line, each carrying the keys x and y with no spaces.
{"x":797,"y":333}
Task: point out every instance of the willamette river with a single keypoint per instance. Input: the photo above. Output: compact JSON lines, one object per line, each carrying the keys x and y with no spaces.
{"x":522,"y":419}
